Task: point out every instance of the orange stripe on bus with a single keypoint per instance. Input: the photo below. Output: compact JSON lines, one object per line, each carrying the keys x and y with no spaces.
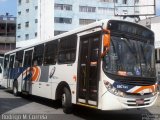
{"x":35,"y":73}
{"x":143,"y":88}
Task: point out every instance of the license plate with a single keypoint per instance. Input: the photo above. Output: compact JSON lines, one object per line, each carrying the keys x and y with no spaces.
{"x":139,"y":101}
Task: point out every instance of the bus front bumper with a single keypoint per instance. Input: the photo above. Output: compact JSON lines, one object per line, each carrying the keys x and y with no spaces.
{"x":112,"y":102}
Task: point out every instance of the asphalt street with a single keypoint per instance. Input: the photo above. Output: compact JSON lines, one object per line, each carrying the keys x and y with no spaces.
{"x":26,"y":105}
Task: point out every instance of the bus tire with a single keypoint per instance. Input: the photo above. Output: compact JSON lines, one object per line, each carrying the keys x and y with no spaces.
{"x":66,"y":101}
{"x":15,"y":88}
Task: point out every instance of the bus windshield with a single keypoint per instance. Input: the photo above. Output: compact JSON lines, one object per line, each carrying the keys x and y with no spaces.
{"x":129,"y":57}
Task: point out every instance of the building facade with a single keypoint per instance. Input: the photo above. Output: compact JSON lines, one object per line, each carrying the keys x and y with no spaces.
{"x":7,"y":33}
{"x":39,"y":20}
{"x":153,"y":23}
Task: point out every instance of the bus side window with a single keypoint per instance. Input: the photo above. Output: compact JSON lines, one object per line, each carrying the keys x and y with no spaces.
{"x":6,"y":61}
{"x":11,"y":62}
{"x":67,"y":49}
{"x":50,"y":52}
{"x":95,"y":50}
{"x":19,"y":59}
{"x":38,"y":55}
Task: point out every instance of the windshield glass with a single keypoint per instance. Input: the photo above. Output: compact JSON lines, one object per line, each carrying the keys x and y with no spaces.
{"x":129,"y":57}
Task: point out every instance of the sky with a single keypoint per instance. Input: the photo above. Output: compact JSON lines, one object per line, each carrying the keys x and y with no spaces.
{"x":9,"y":6}
{"x":158,"y":7}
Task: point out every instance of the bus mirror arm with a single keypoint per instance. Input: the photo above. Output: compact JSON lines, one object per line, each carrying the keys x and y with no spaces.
{"x":104,"y":52}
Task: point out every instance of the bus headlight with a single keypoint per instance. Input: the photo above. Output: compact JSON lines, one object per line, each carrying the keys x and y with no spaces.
{"x":113,"y":90}
{"x":116,"y":92}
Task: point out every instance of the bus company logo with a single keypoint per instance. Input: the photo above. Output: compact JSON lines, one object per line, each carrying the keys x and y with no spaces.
{"x":52,"y":72}
{"x":122,"y":86}
{"x":32,"y":73}
{"x":36,"y":73}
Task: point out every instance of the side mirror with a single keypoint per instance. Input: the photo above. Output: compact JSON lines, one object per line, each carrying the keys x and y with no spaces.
{"x":106,"y":43}
{"x":106,"y":39}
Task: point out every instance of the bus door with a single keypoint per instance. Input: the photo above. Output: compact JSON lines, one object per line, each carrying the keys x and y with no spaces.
{"x":10,"y":70}
{"x":27,"y":74}
{"x":88,"y":70}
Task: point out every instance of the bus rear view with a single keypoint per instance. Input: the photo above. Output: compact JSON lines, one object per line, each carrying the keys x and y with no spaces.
{"x":128,"y":67}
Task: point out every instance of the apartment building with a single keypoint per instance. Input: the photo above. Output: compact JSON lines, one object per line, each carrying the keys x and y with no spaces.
{"x":39,"y":20}
{"x":7,"y":33}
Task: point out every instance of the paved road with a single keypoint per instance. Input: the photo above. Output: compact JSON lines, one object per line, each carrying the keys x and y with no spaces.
{"x":36,"y":105}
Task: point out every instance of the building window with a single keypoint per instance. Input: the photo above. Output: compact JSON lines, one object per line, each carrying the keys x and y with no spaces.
{"x":136,"y":1}
{"x":35,"y":34}
{"x":26,"y":36}
{"x":36,"y":7}
{"x":62,"y":7}
{"x":19,"y":2}
{"x":56,"y":32}
{"x":86,"y":21}
{"x":26,"y":24}
{"x":87,"y":9}
{"x":19,"y":13}
{"x":115,"y":1}
{"x":136,"y":12}
{"x":27,"y":10}
{"x":110,"y":1}
{"x":124,"y":2}
{"x":63,"y":20}
{"x":12,"y":27}
{"x":125,"y":12}
{"x":18,"y":36}
{"x":19,"y":26}
{"x":27,"y":1}
{"x":36,"y":20}
{"x":2,"y":27}
{"x":104,"y":10}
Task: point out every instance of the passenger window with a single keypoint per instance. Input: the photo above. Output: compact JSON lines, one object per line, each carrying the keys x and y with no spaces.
{"x":38,"y":55}
{"x":67,"y":49}
{"x":28,"y":58}
{"x":11,"y":63}
{"x":50,"y":52}
{"x":6,"y":61}
{"x":19,"y":59}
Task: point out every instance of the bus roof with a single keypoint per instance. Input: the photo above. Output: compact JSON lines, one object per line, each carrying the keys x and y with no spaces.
{"x":101,"y":23}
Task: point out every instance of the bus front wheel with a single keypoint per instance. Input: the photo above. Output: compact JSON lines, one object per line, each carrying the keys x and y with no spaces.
{"x":66,"y":101}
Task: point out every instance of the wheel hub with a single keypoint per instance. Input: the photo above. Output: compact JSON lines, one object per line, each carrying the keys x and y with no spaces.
{"x":63,"y":99}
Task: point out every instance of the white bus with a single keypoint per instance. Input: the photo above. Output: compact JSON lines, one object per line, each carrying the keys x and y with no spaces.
{"x":1,"y":69}
{"x":107,"y":65}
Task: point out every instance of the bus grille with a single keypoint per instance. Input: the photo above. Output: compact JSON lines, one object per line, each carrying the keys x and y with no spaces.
{"x":133,"y":103}
{"x":141,"y":82}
